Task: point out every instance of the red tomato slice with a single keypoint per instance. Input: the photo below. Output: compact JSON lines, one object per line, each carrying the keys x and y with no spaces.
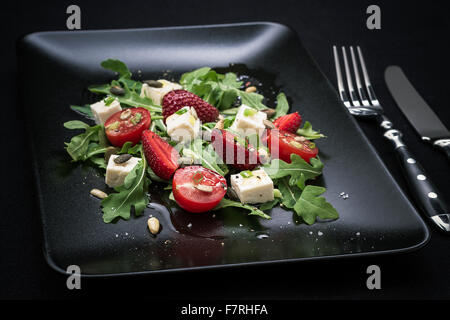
{"x":127,"y":125}
{"x":288,"y":143}
{"x":198,"y":189}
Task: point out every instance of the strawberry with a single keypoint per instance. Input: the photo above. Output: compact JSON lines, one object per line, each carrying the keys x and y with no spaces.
{"x":290,"y":122}
{"x":234,"y":150}
{"x":161,"y":156}
{"x":177,"y":99}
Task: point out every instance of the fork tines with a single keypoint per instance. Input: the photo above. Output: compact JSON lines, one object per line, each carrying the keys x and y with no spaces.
{"x":363,"y":97}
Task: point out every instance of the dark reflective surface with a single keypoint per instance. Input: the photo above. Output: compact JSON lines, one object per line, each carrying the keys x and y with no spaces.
{"x":375,"y":218}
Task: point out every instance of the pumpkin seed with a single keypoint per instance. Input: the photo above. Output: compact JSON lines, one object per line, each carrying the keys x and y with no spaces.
{"x":136,"y":119}
{"x":109,"y":152}
{"x":203,"y":187}
{"x":117,"y":90}
{"x":296,"y":144}
{"x":125,"y":114}
{"x":153,"y":225}
{"x":270,"y":112}
{"x":300,"y":138}
{"x":122,"y":158}
{"x":99,"y":193}
{"x":250,"y":89}
{"x":269,"y":124}
{"x":113,"y":126}
{"x":153,"y":83}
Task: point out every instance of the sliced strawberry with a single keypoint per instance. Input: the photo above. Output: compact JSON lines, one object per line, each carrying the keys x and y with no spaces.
{"x":161,"y":156}
{"x":234,"y":151}
{"x":177,"y":99}
{"x":290,"y":122}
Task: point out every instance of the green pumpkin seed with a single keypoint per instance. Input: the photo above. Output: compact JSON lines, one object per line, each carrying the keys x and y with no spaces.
{"x":153,"y":83}
{"x":123,"y":158}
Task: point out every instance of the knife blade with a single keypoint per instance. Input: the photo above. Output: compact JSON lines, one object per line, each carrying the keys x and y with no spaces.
{"x":417,"y":111}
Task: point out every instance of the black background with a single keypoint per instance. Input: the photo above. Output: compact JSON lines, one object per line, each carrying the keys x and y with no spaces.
{"x":413,"y":35}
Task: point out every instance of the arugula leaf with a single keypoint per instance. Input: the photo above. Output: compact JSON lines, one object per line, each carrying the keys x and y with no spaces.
{"x":130,"y":149}
{"x":251,"y":99}
{"x":117,"y":66}
{"x":220,"y":90}
{"x":98,"y":161}
{"x":84,"y":110}
{"x":230,"y":203}
{"x":81,"y":147}
{"x":189,"y":77}
{"x":269,"y":205}
{"x":133,"y":193}
{"x":308,"y":132}
{"x":206,"y":156}
{"x":282,"y":107}
{"x":298,"y":169}
{"x":130,"y":98}
{"x":310,"y":206}
{"x":290,"y":193}
{"x":75,"y":124}
{"x":160,"y":126}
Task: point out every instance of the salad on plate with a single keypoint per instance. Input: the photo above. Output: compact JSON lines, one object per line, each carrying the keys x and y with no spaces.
{"x":209,"y":140}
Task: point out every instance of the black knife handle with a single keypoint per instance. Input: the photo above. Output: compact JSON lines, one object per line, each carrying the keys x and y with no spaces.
{"x":443,"y":145}
{"x":424,"y":191}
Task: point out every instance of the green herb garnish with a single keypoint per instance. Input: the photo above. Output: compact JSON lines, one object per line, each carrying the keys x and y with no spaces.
{"x":298,"y":169}
{"x":181,"y":111}
{"x":84,"y":145}
{"x":249,"y":112}
{"x":282,"y":106}
{"x":310,"y":206}
{"x":224,"y":203}
{"x":136,"y":118}
{"x":109,"y":100}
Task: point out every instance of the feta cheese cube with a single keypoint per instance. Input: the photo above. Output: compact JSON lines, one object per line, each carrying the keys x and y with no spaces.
{"x":254,"y":187}
{"x":116,"y":172}
{"x":249,"y":121}
{"x":102,"y":112}
{"x":157,"y":94}
{"x":183,"y":125}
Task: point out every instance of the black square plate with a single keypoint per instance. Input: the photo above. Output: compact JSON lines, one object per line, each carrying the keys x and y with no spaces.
{"x":56,"y":68}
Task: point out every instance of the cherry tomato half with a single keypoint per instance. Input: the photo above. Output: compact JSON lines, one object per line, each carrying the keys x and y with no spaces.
{"x":198,"y":189}
{"x":127,"y":125}
{"x":289,"y":143}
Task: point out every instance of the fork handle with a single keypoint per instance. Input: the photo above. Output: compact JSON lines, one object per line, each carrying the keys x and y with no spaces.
{"x":444,"y":146}
{"x":422,"y":188}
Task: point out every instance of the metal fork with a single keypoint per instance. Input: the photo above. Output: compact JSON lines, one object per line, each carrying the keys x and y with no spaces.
{"x":363,"y":103}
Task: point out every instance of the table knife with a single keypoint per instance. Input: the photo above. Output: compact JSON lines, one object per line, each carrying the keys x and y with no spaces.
{"x":430,"y":128}
{"x":416,"y":110}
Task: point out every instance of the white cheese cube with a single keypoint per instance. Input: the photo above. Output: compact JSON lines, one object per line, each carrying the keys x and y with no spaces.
{"x":102,"y":112}
{"x":116,"y":172}
{"x":249,"y":121}
{"x":157,"y":94}
{"x":256,"y":187}
{"x":183,"y":125}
